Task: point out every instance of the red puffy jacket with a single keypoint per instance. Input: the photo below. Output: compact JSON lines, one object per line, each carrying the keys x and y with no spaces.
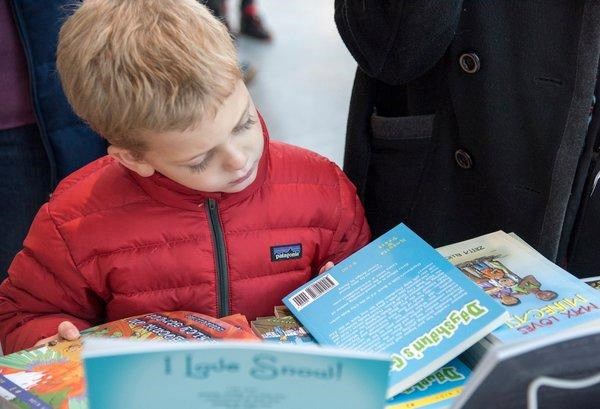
{"x":111,"y":244}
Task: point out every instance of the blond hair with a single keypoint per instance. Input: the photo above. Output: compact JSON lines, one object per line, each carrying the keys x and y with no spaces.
{"x":130,"y":66}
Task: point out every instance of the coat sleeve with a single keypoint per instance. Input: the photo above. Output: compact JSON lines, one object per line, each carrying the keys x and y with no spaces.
{"x":44,"y":288}
{"x":396,"y":41}
{"x":352,"y":232}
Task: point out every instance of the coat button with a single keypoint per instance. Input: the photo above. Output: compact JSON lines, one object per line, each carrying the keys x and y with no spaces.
{"x":469,"y":62}
{"x":463,"y":159}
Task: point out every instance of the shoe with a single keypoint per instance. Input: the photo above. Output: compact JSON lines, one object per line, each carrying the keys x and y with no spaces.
{"x":248,"y":71}
{"x":252,"y":26}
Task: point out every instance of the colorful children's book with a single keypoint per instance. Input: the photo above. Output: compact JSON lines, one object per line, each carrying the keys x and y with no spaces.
{"x":51,"y":376}
{"x":231,"y":375}
{"x":400,"y":296}
{"x":436,"y":391}
{"x":282,"y":330}
{"x":541,"y":297}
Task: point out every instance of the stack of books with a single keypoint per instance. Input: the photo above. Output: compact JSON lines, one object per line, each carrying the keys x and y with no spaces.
{"x":410,"y":326}
{"x":52,"y":376}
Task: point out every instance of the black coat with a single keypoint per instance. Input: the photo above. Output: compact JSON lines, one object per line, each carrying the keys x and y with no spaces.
{"x":472,"y":116}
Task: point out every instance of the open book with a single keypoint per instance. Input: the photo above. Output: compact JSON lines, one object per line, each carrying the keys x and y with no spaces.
{"x":400,"y":296}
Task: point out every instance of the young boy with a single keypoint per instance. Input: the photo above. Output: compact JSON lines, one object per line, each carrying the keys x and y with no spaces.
{"x":194,"y":208}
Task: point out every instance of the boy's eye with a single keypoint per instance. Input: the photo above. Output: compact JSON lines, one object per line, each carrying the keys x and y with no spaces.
{"x":251,"y":121}
{"x":246,"y":125}
{"x":202,"y":165}
{"x":199,"y":167}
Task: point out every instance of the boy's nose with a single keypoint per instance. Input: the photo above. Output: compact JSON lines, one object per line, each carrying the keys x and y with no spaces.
{"x":235,"y":158}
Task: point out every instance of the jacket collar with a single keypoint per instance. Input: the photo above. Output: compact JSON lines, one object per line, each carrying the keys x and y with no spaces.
{"x":171,"y":193}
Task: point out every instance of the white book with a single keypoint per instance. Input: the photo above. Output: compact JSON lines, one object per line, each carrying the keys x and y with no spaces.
{"x":541,"y":297}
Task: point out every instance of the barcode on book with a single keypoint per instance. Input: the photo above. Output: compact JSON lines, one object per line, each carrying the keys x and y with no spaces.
{"x":313,"y":291}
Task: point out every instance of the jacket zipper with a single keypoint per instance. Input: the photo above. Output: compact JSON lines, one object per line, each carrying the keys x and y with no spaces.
{"x":220,"y":258}
{"x":34,"y":100}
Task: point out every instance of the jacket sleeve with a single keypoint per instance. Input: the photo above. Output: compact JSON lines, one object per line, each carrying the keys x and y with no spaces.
{"x":44,"y":288}
{"x":352,"y":232}
{"x":396,"y":41}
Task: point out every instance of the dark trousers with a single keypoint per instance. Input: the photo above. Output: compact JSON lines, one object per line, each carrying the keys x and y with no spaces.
{"x":24,"y":187}
{"x":218,"y":9}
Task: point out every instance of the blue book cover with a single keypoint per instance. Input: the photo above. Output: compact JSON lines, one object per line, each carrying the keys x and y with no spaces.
{"x":540,"y":297}
{"x":122,"y":374}
{"x":436,"y":391}
{"x":400,"y":296}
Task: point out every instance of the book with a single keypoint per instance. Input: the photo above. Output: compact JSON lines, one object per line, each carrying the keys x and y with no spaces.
{"x":285,"y":329}
{"x":51,"y":375}
{"x":282,"y":311}
{"x":400,"y":296}
{"x":281,"y":327}
{"x":436,"y":391}
{"x":541,"y":297}
{"x":231,"y":375}
{"x":593,"y":282}
{"x":556,"y":371}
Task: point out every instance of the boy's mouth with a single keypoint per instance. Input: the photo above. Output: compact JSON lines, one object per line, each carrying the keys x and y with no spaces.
{"x":246,"y":176}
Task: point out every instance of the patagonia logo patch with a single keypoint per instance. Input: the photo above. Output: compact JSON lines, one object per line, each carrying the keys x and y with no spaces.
{"x":286,"y":252}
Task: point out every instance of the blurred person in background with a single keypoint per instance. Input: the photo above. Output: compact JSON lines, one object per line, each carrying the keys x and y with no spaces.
{"x":251,"y":24}
{"x":41,"y":140}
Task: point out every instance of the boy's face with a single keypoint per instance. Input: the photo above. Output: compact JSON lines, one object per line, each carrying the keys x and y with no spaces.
{"x":220,"y":154}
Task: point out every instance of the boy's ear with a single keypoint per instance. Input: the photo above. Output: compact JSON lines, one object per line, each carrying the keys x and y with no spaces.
{"x":131,"y":161}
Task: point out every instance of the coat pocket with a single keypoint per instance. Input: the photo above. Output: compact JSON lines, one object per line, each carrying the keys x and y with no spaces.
{"x":402,"y":128}
{"x":399,"y":150}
